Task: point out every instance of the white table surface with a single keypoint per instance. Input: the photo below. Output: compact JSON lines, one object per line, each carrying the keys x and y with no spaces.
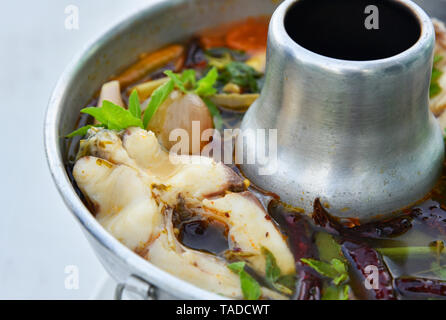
{"x":38,"y":235}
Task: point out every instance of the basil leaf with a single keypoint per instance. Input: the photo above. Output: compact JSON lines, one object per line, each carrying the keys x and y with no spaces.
{"x":80,"y":132}
{"x":336,"y":293}
{"x":219,"y":62}
{"x":339,"y":279}
{"x":158,"y":97}
{"x":205,"y":86}
{"x":436,"y":74}
{"x":434,"y":90}
{"x":215,"y":113}
{"x":134,"y":104}
{"x":237,"y":267}
{"x":250,"y":287}
{"x":241,"y":74}
{"x":328,"y":247}
{"x":272,"y":270}
{"x":284,"y":284}
{"x":339,"y":266}
{"x":189,"y":78}
{"x":321,"y":267}
{"x":437,"y":58}
{"x":287,"y":281}
{"x":176,"y":80}
{"x":335,"y":270}
{"x":435,"y":87}
{"x":113,"y":116}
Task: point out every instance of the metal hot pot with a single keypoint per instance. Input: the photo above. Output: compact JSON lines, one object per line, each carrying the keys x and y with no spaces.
{"x":154,"y":26}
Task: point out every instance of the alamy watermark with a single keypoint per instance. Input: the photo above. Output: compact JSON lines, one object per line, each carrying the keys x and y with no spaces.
{"x":232,"y":146}
{"x":371,"y":282}
{"x":72,"y":277}
{"x":72,"y":17}
{"x":372,"y":20}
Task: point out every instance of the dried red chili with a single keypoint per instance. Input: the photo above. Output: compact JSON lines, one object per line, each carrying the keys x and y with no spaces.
{"x":420,"y":288}
{"x":364,"y":261}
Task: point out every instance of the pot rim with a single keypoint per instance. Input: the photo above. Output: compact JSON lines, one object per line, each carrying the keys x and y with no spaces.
{"x":151,"y":273}
{"x":426,"y":39}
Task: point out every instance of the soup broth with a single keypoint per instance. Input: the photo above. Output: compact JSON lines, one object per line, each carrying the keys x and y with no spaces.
{"x":406,"y":252}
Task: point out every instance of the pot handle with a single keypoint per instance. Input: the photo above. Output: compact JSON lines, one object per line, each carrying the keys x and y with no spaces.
{"x":136,"y":287}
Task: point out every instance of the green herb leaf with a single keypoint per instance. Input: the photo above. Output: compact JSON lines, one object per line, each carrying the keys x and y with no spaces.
{"x":80,"y":132}
{"x":250,"y":287}
{"x":113,"y":116}
{"x":220,"y":52}
{"x":189,"y":78}
{"x":336,"y":293}
{"x":176,"y":80}
{"x":205,"y":86}
{"x":436,"y":74}
{"x":284,"y":284}
{"x":328,"y":247}
{"x":321,"y":267}
{"x":339,"y":266}
{"x":272,"y":270}
{"x":215,"y":113}
{"x":335,"y":270}
{"x":435,"y":87}
{"x":437,"y":59}
{"x":187,"y":82}
{"x":434,"y":90}
{"x":241,"y":74}
{"x":219,"y":62}
{"x":339,"y":279}
{"x":237,"y":267}
{"x":158,"y":97}
{"x":134,"y":104}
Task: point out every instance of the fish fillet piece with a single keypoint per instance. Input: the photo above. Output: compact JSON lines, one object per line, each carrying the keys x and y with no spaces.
{"x":193,"y":176}
{"x":122,"y":200}
{"x":201,"y":269}
{"x":251,"y":229}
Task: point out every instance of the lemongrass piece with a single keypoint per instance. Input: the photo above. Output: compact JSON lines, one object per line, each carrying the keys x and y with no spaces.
{"x":146,"y":89}
{"x":442,"y":122}
{"x":234,"y":101}
{"x":402,"y":252}
{"x":258,"y":62}
{"x":150,"y":63}
{"x":232,"y":88}
{"x":111,"y":91}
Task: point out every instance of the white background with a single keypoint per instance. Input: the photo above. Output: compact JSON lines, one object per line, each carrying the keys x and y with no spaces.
{"x":38,"y":235}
